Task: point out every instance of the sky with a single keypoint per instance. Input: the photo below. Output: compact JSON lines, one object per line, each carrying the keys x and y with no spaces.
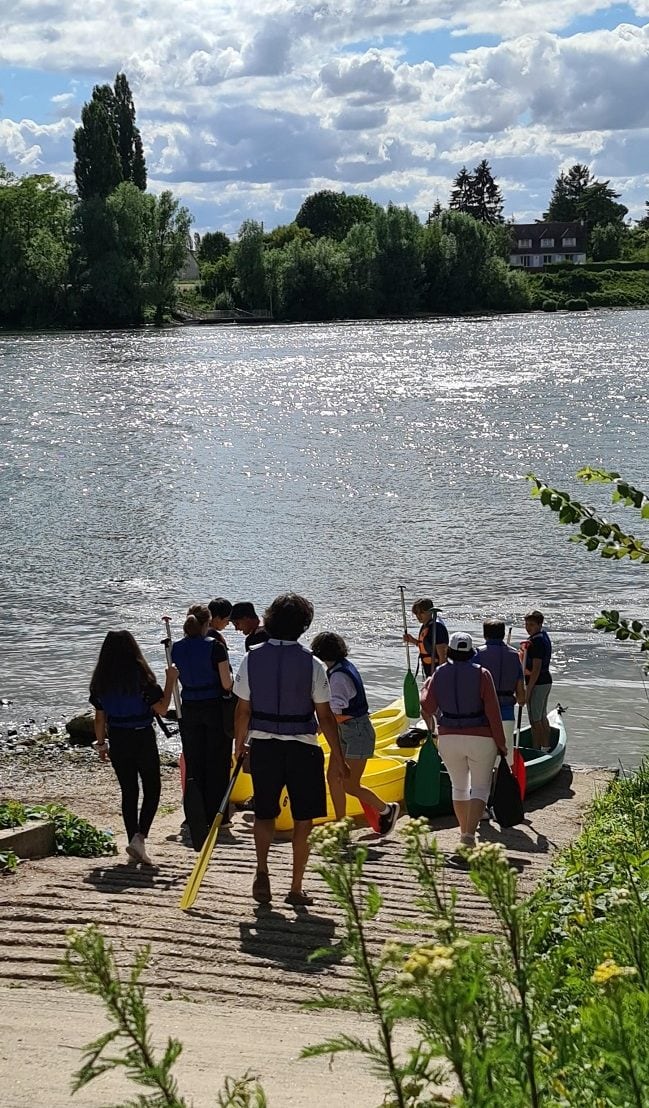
{"x":248,"y":106}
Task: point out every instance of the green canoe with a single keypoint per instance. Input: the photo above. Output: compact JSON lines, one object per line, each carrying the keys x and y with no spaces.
{"x":541,"y":768}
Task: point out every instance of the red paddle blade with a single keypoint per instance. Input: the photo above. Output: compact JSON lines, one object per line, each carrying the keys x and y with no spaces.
{"x":372,"y":816}
{"x":520,"y":773}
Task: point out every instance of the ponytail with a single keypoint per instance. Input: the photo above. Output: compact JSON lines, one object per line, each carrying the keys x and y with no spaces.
{"x":198,"y":617}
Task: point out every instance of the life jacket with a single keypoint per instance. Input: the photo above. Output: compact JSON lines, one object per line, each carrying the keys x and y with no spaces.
{"x":424,"y":655}
{"x":503,"y":664}
{"x":199,"y":679}
{"x":358,"y":705}
{"x":458,"y":692}
{"x":126,"y":710}
{"x":280,"y":677}
{"x":545,"y":676}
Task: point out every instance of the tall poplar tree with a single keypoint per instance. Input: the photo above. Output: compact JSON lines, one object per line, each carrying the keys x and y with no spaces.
{"x":107,"y":145}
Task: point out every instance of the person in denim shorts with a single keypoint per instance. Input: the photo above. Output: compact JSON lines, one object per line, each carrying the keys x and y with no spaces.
{"x":357,"y":737}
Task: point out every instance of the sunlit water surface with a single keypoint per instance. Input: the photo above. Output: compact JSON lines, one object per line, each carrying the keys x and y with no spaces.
{"x":142,"y":471}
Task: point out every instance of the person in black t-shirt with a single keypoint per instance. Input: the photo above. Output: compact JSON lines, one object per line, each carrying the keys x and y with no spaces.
{"x":244,"y":618}
{"x":538,"y":679}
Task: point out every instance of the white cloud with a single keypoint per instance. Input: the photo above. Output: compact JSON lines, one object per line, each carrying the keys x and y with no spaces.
{"x":245,"y":108}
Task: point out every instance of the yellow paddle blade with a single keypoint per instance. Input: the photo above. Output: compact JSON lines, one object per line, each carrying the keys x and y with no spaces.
{"x":198,"y":873}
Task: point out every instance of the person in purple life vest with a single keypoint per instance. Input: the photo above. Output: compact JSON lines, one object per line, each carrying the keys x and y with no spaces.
{"x":283,"y":699}
{"x":462,"y":695}
{"x":505,"y":667}
{"x":357,"y":736}
{"x":538,"y":679}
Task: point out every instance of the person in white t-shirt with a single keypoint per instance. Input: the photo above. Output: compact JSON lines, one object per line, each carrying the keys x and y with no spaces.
{"x":283,"y":700}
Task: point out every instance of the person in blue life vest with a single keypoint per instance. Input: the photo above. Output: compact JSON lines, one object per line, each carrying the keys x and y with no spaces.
{"x":126,"y":696}
{"x":245,"y":619}
{"x":205,"y":679}
{"x":505,"y":667}
{"x":283,"y":699}
{"x":462,"y":695}
{"x":538,"y":679}
{"x":357,"y":736}
{"x":423,"y":611}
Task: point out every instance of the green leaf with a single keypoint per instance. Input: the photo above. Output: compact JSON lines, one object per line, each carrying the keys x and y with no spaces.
{"x":645,"y":510}
{"x":589,"y":526}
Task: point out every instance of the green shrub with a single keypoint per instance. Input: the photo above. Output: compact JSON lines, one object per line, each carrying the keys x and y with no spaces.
{"x":73,"y":836}
{"x":549,"y":305}
{"x":577,"y":304}
{"x":8,"y":861}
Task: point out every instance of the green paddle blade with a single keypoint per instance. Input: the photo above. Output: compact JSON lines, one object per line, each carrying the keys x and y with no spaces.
{"x":427,"y":777}
{"x":411,"y":696}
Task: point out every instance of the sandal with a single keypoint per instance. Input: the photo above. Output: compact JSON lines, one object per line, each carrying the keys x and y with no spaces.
{"x":261,"y":888}
{"x":299,"y":899}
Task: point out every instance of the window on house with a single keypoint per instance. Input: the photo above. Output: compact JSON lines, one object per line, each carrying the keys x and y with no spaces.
{"x":547,"y":259}
{"x":569,"y":241}
{"x":547,"y":242}
{"x":568,"y":257}
{"x":524,"y":244}
{"x":525,"y":260}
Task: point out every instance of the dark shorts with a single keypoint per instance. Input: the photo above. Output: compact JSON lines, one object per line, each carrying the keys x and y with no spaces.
{"x":276,"y":763}
{"x":538,"y":705}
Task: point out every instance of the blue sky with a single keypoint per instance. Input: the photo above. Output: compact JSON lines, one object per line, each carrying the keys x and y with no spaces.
{"x":245,"y":110}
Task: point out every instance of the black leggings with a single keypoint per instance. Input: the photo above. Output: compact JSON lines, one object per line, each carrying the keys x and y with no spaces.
{"x":208,"y":750}
{"x":134,"y":756}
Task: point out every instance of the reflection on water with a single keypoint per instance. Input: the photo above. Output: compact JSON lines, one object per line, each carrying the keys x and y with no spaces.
{"x":140,"y":471}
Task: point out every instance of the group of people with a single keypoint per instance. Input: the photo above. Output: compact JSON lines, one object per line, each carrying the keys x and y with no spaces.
{"x":283,"y":695}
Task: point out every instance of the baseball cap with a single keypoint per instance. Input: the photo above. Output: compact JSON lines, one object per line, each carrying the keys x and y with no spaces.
{"x":462,"y":642}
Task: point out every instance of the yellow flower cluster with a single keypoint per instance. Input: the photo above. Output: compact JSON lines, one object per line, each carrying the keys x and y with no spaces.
{"x":608,"y":970}
{"x":425,"y":962}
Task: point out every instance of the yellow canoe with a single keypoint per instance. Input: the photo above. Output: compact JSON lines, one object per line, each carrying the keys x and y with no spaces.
{"x":384,"y":773}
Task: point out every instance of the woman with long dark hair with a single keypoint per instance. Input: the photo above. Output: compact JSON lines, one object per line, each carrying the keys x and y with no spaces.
{"x":205,"y":678}
{"x":126,"y":696}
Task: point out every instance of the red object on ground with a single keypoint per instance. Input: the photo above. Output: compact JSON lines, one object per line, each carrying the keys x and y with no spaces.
{"x":520,"y":773}
{"x":183,"y":772}
{"x":372,"y":816}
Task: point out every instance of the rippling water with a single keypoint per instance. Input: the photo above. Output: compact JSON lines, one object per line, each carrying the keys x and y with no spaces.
{"x":141,"y":471}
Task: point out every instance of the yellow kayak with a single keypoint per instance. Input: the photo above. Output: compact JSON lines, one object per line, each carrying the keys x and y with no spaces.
{"x":384,"y":773}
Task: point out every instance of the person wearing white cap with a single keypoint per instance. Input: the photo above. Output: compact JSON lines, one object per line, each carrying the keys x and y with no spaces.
{"x":462,"y":695}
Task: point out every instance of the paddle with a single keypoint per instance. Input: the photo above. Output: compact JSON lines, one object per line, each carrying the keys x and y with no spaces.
{"x":198,"y":873}
{"x":518,"y":765}
{"x":410,"y":686}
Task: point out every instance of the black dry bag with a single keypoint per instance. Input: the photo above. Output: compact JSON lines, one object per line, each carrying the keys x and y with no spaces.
{"x":507,"y":803}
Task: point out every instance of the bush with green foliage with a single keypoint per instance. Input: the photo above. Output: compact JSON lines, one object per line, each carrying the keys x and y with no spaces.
{"x":73,"y":836}
{"x":549,"y":305}
{"x":603,"y":536}
{"x":576,"y":304}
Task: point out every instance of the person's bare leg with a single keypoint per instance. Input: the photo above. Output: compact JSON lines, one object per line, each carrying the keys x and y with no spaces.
{"x":354,"y":788}
{"x":337,"y":793}
{"x":264,"y":830}
{"x":301,"y":831}
{"x":538,"y":734}
{"x":461,"y":809}
{"x":475,"y":809}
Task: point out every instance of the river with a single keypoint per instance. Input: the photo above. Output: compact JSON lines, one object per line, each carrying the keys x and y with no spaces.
{"x":144,"y":470}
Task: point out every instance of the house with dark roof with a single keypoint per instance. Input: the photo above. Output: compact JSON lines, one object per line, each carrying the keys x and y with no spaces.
{"x":537,"y":244}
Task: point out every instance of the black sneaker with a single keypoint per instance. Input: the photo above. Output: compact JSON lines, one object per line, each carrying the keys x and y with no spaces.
{"x":388,"y":819}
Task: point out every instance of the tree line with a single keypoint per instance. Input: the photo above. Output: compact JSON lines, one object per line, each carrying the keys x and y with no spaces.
{"x":109,"y":252}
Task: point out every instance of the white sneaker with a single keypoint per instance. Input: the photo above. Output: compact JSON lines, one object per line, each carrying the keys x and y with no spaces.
{"x":137,"y":849}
